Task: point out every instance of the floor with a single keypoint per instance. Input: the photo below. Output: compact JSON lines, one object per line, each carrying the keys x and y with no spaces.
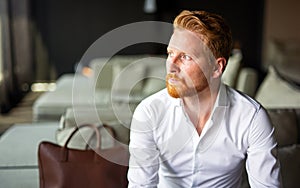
{"x":22,"y":113}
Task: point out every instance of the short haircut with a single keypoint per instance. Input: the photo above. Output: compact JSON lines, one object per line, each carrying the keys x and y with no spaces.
{"x":211,"y":28}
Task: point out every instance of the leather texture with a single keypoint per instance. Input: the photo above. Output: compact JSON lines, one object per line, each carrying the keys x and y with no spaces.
{"x":60,"y":166}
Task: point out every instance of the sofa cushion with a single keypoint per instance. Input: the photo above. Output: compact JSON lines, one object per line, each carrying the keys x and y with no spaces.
{"x":118,"y":118}
{"x":155,"y":75}
{"x":231,"y":71}
{"x":128,"y":74}
{"x":285,"y":123}
{"x":19,"y":144}
{"x":284,"y":55}
{"x":274,"y":92}
{"x":84,"y":137}
{"x":290,"y":165}
{"x":102,"y":76}
{"x":247,"y":81}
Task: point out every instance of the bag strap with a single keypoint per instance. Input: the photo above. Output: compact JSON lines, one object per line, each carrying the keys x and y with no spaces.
{"x":92,"y":126}
{"x":110,"y":130}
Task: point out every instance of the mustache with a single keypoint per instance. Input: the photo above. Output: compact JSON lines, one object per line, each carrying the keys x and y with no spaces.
{"x":173,"y":76}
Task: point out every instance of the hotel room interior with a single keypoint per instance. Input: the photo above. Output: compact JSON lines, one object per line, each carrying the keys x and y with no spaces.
{"x":65,"y":63}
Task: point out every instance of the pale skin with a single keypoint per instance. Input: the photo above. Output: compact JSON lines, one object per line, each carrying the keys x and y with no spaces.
{"x":196,"y":76}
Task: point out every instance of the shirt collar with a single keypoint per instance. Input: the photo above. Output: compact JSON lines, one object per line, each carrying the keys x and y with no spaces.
{"x":222,"y":100}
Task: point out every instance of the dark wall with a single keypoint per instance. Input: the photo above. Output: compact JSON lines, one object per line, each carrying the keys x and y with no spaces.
{"x":244,"y":17}
{"x":69,"y":27}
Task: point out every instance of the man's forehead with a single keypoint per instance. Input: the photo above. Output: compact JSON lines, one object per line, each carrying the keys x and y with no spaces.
{"x":186,"y":41}
{"x":181,"y":32}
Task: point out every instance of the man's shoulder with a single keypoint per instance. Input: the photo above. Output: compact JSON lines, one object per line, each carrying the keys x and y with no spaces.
{"x":238,"y":98}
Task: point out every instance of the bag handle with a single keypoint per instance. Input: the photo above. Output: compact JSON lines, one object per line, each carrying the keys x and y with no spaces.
{"x":92,"y":126}
{"x":110,"y":129}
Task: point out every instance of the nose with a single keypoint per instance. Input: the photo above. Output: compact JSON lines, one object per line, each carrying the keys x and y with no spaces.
{"x":173,"y":64}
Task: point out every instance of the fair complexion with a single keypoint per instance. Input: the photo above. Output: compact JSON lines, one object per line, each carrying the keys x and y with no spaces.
{"x":194,"y":74}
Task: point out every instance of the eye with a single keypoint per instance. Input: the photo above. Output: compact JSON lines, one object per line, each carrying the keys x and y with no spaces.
{"x":186,"y":57}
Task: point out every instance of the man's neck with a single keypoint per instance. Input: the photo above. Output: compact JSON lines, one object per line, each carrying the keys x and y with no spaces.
{"x":199,"y":107}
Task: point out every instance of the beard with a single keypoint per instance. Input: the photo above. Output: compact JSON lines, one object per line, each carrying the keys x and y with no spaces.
{"x":171,"y":88}
{"x":181,"y":89}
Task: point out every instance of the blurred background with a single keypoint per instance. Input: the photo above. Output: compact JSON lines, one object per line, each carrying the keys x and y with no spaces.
{"x":42,"y":40}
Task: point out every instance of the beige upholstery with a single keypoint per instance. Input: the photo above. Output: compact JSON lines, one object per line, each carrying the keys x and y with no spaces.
{"x":102,"y":71}
{"x":119,"y":119}
{"x":122,"y":79}
{"x":19,"y":148}
{"x":274,"y":92}
{"x":286,"y":126}
{"x":123,"y":72}
{"x":247,"y":81}
{"x":290,"y":165}
{"x":286,"y":123}
{"x":231,"y":71}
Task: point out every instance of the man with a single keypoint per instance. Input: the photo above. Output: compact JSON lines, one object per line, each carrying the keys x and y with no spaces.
{"x":199,"y":132}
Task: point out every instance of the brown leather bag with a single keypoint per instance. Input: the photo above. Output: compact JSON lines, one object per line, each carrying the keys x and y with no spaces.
{"x":65,"y":167}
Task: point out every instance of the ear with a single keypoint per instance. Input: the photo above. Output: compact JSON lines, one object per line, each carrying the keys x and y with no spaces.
{"x":219,"y":67}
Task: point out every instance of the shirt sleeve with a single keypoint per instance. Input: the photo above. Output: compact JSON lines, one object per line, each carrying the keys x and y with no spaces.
{"x":262,"y":164}
{"x":144,"y":155}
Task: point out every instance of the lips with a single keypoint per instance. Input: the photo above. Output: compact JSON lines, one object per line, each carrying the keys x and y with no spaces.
{"x":172,"y":79}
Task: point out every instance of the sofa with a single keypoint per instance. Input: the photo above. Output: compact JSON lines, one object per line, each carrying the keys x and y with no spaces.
{"x":18,"y":148}
{"x":287,"y":133}
{"x":279,"y":93}
{"x":111,"y":81}
{"x":105,"y":82}
{"x":242,"y":78}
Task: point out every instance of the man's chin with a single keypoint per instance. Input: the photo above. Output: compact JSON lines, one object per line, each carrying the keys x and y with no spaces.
{"x":172,"y":92}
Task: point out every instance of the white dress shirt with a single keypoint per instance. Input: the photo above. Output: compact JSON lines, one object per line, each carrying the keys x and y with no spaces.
{"x":166,"y":150}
